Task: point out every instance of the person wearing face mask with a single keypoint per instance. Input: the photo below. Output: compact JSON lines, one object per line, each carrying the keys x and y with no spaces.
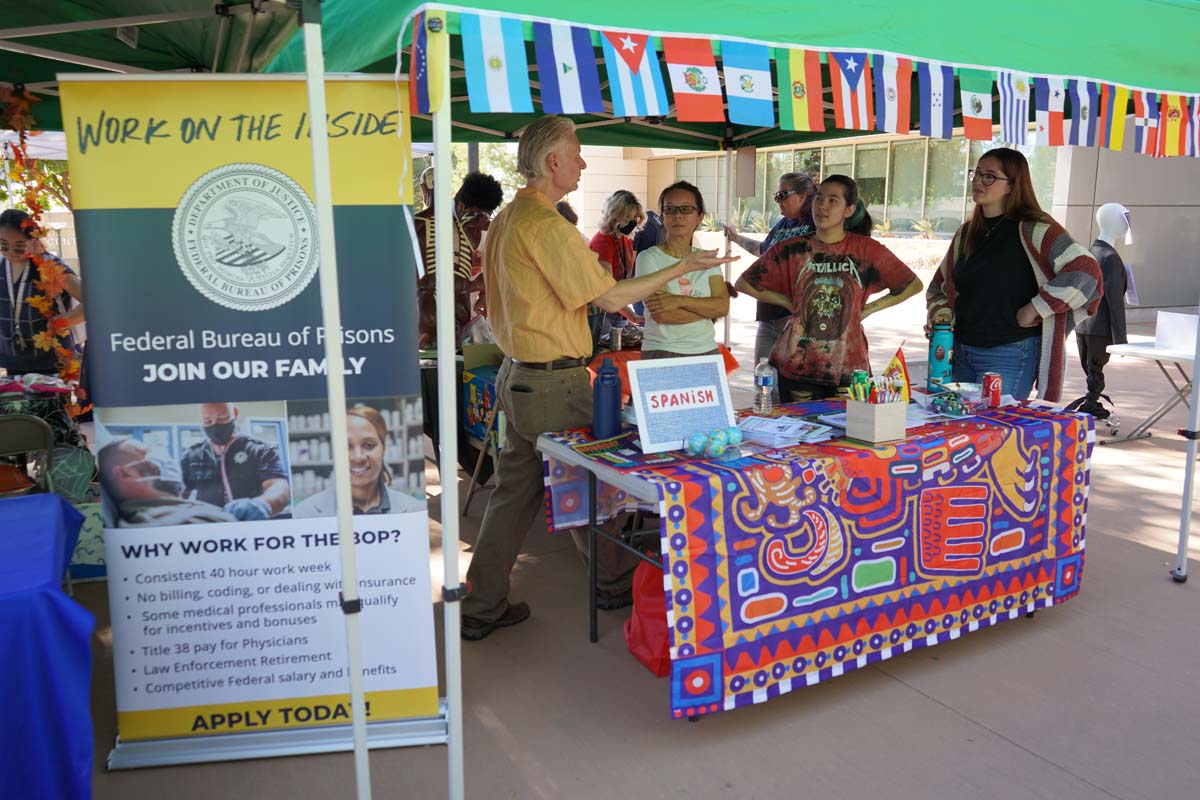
{"x":370,"y":478}
{"x":242,"y":475}
{"x":142,"y":491}
{"x":621,"y":215}
{"x":19,"y":321}
{"x":477,"y":199}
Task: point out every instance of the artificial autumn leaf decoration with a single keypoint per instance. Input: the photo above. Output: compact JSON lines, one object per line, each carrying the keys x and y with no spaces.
{"x":16,"y":114}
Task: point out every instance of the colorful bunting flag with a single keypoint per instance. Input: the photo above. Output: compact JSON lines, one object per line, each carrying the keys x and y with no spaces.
{"x":634,"y":77}
{"x":1194,"y":128}
{"x":853,"y":100}
{"x":694,"y":80}
{"x":497,"y":72}
{"x":427,"y":62}
{"x":798,"y":76}
{"x":567,"y":69}
{"x":937,"y":99}
{"x":1014,"y":106}
{"x":893,"y":94}
{"x":1049,"y":100}
{"x":1145,"y":122}
{"x":975,"y":85}
{"x":896,"y":374}
{"x":1114,"y":100}
{"x":1085,"y":101}
{"x":1172,"y":129}
{"x":747,"y":69}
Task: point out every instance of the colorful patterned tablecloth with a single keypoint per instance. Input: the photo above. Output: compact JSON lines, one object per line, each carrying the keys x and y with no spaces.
{"x":788,"y":567}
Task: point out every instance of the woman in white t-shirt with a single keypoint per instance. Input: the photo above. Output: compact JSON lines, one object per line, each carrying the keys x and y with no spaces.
{"x":679,"y":319}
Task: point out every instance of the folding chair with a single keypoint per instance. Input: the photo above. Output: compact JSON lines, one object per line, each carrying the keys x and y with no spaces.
{"x":22,"y":434}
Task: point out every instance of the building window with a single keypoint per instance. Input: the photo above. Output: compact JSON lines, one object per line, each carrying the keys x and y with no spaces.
{"x":837,"y":161}
{"x":1042,"y":164}
{"x":946,"y":184}
{"x":870,"y":173}
{"x":706,"y":182}
{"x":808,"y":162}
{"x":685,"y":169}
{"x":904,"y":185}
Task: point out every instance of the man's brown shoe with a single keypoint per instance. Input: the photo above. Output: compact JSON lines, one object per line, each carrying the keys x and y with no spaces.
{"x":475,"y":629}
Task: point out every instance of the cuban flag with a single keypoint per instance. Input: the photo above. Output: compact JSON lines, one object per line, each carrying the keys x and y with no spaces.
{"x":1014,"y":106}
{"x":893,"y":94}
{"x":497,"y":72}
{"x":634,"y":76}
{"x":1049,"y":100}
{"x":747,"y":69}
{"x":1145,"y":122}
{"x":567,"y":69}
{"x":1085,"y":108}
{"x":937,"y":99}
{"x":853,"y":100}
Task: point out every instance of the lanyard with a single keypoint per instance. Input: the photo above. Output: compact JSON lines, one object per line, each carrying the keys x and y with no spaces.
{"x":18,"y":300}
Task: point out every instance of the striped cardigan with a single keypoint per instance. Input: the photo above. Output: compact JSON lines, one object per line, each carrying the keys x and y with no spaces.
{"x":1068,"y":279}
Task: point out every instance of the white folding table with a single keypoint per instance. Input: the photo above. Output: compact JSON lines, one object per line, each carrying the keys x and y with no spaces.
{"x":1174,"y":344}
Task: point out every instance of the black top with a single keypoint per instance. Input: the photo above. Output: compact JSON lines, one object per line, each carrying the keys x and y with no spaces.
{"x":1109,"y":319}
{"x":17,"y":352}
{"x":992,"y":285}
{"x":248,"y":463}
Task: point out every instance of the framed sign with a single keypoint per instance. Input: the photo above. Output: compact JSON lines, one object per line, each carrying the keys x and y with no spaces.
{"x":674,"y":398}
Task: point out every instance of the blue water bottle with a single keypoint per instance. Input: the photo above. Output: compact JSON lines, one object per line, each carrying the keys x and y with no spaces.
{"x":606,"y":402}
{"x":941,"y":349}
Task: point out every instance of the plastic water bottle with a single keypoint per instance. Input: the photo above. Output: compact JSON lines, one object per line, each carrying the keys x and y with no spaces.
{"x":606,"y":402}
{"x":941,"y":347}
{"x":764,"y":382}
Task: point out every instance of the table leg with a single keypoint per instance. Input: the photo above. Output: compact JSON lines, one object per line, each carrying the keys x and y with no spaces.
{"x":593,"y":634}
{"x":475,"y":484}
{"x":1142,"y":431}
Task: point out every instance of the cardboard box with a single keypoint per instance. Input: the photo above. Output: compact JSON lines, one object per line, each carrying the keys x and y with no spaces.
{"x":876,"y":423}
{"x":480,"y":365}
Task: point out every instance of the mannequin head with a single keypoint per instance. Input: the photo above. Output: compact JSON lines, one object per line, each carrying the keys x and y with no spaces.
{"x":1113,"y":219}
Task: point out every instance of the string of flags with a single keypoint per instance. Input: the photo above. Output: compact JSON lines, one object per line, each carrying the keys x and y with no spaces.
{"x":869,"y":91}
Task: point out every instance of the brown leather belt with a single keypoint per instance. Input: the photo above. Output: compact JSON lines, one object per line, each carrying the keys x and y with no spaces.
{"x":550,"y":366}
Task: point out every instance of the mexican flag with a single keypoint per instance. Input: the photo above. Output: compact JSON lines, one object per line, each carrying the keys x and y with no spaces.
{"x":975,"y":87}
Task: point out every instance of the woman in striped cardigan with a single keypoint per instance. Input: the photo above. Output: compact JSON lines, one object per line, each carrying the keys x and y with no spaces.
{"x":1010,"y":282}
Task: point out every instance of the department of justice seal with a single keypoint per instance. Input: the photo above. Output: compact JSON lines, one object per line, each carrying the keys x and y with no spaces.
{"x":245,"y":235}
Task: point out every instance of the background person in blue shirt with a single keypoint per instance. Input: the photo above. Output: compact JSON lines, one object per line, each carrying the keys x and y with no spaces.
{"x":242,"y":475}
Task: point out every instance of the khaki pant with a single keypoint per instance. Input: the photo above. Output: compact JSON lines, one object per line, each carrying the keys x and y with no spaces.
{"x":534,"y":402}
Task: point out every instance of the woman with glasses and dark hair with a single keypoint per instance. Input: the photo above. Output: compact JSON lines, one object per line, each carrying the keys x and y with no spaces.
{"x":825,"y":282}
{"x":20,"y":322}
{"x":1010,"y":282}
{"x":679,"y":318}
{"x":794,"y":196}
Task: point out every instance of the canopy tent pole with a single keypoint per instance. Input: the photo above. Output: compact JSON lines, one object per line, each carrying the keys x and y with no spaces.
{"x":331,"y":319}
{"x":1189,"y":474}
{"x":447,"y":382}
{"x":727,"y":216}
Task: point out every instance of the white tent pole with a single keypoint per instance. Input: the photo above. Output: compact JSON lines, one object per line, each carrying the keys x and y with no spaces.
{"x":331,"y":318}
{"x":727,"y":216}
{"x":1189,"y":474}
{"x":443,"y":223}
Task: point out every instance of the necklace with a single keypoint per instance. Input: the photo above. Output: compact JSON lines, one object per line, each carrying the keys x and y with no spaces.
{"x":990,"y":229}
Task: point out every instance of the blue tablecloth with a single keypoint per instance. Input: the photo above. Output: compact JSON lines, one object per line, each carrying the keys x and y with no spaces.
{"x":46,"y":668}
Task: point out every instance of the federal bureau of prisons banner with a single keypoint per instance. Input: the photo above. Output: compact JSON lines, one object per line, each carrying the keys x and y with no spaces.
{"x":198,"y":246}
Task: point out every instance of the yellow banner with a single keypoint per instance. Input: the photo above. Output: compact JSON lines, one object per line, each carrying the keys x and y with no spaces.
{"x":137,"y":143}
{"x":269,"y":715}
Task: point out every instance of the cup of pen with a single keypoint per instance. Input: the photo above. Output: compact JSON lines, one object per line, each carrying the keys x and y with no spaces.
{"x":875,"y":411}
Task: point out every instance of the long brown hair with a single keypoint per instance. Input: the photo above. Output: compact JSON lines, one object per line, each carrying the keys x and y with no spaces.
{"x":375,"y":420}
{"x":1020,"y":204}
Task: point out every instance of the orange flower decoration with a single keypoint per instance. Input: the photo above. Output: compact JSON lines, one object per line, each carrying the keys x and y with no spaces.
{"x":54,"y":278}
{"x":45,"y":340}
{"x":64,"y":353}
{"x":41,"y":303}
{"x":59,"y":325}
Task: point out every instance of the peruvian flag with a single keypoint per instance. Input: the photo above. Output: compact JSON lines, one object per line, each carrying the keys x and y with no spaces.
{"x":694,"y":80}
{"x":850,"y":79}
{"x":893,"y":94}
{"x":975,"y":87}
{"x":1049,"y":101}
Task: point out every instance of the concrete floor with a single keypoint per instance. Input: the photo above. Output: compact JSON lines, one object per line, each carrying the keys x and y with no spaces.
{"x":1093,"y":699}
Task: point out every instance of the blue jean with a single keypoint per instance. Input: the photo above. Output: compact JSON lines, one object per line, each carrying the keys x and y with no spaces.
{"x":1017,"y":364}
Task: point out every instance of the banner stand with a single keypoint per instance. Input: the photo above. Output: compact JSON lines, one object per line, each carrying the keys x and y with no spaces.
{"x":269,"y":744}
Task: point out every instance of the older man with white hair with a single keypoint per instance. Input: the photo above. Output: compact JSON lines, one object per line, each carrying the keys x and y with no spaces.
{"x":540,"y":277}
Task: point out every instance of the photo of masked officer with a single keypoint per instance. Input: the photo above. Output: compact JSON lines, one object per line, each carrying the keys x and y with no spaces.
{"x":242,"y":475}
{"x":142,"y":490}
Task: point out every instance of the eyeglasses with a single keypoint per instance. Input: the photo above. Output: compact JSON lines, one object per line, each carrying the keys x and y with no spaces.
{"x":780,"y":196}
{"x":680,"y":211}
{"x":17,"y":250}
{"x":986,"y":178}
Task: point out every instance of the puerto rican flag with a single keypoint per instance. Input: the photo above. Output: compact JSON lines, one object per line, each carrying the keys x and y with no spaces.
{"x":567,"y":69}
{"x":937,"y":99}
{"x":853,"y":101}
{"x":694,"y":80}
{"x":893,"y":94}
{"x":1049,"y":100}
{"x":634,"y":76}
{"x":1145,"y":122}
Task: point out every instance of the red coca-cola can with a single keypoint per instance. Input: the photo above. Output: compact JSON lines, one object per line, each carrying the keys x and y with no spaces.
{"x":991,"y":389}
